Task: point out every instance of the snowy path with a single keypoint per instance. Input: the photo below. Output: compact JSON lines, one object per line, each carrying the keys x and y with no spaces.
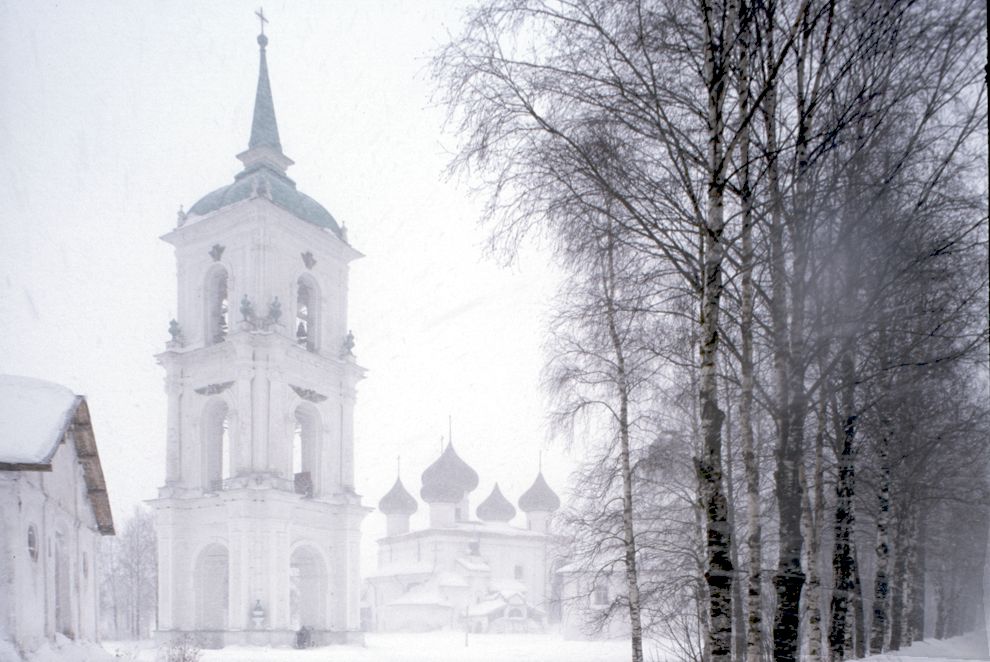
{"x":972,"y":646}
{"x":449,"y":647}
{"x":427,"y":647}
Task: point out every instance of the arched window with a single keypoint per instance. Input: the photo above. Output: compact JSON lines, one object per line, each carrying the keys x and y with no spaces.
{"x":216,"y":445}
{"x":305,"y":442}
{"x":307,"y":313}
{"x":217,"y":308}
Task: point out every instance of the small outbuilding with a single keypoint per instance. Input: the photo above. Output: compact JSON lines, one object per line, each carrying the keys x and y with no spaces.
{"x":53,"y":510}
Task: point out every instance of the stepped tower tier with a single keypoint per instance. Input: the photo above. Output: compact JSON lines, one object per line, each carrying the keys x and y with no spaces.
{"x":258,"y":520}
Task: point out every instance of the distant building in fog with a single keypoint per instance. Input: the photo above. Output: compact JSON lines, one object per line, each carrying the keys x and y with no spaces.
{"x":53,"y":510}
{"x":483,"y":574}
{"x":258,"y":523}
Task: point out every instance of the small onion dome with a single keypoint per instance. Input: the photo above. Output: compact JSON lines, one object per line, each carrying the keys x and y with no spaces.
{"x":398,"y":501}
{"x":539,"y":497}
{"x":448,"y":479}
{"x":496,"y":508}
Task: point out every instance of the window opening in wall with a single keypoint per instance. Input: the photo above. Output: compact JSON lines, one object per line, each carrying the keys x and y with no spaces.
{"x":304,"y":444}
{"x":224,"y":448}
{"x":218,"y":309}
{"x":217,"y":446}
{"x":599,"y":597}
{"x":520,"y":573}
{"x":32,"y":542}
{"x":474,"y":548}
{"x":305,"y":316}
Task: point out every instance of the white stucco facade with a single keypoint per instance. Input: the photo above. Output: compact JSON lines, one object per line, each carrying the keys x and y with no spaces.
{"x":53,"y":511}
{"x":479,"y":573}
{"x":258,"y":522}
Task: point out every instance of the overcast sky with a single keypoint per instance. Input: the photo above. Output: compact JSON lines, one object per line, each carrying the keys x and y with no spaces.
{"x":114,"y":114}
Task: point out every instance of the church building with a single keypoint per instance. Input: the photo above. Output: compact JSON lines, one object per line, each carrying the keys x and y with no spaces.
{"x":481,"y":574}
{"x":54,"y":509}
{"x":258,"y":522}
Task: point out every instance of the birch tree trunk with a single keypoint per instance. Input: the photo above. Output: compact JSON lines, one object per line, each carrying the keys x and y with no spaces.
{"x":754,"y":590}
{"x":843,"y":559}
{"x":881,"y":584}
{"x":858,"y":608}
{"x":811,"y":518}
{"x":916,"y":579}
{"x":899,"y":585}
{"x":719,"y":571}
{"x":629,"y":537}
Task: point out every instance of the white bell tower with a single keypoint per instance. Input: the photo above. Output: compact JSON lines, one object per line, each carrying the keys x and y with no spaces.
{"x":258,"y":522}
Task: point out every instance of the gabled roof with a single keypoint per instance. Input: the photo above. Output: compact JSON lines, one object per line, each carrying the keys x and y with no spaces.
{"x":35,"y":417}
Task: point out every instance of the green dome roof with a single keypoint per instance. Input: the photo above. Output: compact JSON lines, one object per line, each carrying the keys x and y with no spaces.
{"x":264,"y":172}
{"x":262,"y":180}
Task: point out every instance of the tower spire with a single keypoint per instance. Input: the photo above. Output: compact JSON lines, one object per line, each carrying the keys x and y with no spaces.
{"x":264,"y":128}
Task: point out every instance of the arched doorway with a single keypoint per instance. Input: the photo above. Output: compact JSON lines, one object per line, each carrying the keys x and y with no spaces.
{"x":212,"y":587}
{"x":307,"y":589}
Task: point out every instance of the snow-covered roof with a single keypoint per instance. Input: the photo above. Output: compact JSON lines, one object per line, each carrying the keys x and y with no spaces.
{"x":452,"y":580}
{"x":575,"y":566}
{"x":402,"y":569}
{"x":474,"y":564}
{"x":486,"y":607}
{"x":508,"y":587}
{"x":35,"y":416}
{"x":420,"y":596}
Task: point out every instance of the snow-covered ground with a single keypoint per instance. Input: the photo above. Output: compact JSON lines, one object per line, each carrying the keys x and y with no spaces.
{"x":426,"y":647}
{"x":449,"y":646}
{"x":972,"y":646}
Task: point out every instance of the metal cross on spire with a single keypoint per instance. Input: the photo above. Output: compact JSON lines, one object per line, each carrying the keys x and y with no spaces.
{"x":261,"y":17}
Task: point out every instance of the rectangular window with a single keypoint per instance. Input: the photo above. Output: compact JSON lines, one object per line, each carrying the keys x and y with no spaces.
{"x":519,"y":572}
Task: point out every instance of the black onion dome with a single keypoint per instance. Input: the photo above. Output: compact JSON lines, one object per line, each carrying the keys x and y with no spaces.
{"x":448,"y":479}
{"x":398,"y":501}
{"x":539,"y":497}
{"x":496,"y":508}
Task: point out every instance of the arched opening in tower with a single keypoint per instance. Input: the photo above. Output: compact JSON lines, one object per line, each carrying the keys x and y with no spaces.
{"x":212,"y":587}
{"x":307,"y":313}
{"x":216,"y":445}
{"x":305,"y":444}
{"x":217,"y":306}
{"x":308,"y":589}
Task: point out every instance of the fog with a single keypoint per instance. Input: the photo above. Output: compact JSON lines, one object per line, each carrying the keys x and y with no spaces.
{"x":115,"y":115}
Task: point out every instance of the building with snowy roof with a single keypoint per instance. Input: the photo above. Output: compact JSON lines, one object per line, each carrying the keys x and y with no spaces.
{"x":481,"y":573}
{"x":258,"y":522}
{"x":53,"y":510}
